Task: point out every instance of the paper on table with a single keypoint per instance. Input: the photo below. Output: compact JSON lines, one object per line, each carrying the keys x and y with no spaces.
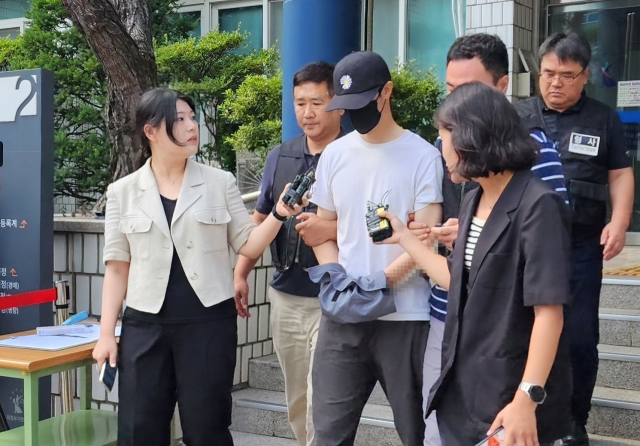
{"x":54,"y":343}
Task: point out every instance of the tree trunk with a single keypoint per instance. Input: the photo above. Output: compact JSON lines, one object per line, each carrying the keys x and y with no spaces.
{"x":120,"y":34}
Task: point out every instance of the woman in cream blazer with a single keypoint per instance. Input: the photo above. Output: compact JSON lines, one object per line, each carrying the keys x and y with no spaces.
{"x":169,"y":227}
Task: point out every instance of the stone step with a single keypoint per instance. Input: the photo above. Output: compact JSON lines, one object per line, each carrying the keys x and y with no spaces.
{"x":614,"y":421}
{"x":619,"y":367}
{"x":623,"y":294}
{"x":620,"y":327}
{"x":265,"y":373}
{"x":598,"y":440}
{"x":245,"y":439}
{"x":264,"y":412}
{"x":615,"y":413}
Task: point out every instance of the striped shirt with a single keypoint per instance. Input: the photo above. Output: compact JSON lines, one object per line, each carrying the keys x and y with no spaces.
{"x":549,"y":167}
{"x":472,"y":240}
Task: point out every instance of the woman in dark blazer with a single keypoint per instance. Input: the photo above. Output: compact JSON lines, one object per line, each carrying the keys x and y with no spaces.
{"x":504,"y":357}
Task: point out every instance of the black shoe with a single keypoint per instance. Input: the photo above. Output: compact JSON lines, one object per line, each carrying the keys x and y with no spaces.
{"x":579,"y":437}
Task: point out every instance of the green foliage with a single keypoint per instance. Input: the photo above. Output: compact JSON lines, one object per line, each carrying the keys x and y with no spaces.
{"x":82,"y":160}
{"x":81,"y":145}
{"x":8,"y":50}
{"x":168,"y":27}
{"x":206,"y":69}
{"x":256,"y":106}
{"x":416,"y":95}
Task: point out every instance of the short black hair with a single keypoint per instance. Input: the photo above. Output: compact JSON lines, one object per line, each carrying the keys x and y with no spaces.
{"x":491,"y":51}
{"x":487,"y":133}
{"x":317,"y":73}
{"x":155,"y":106}
{"x":568,"y":47}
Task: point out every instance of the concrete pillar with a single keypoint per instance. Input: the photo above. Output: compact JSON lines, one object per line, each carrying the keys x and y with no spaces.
{"x":314,"y":30}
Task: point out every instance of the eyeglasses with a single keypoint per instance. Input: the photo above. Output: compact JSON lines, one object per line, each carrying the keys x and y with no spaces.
{"x":566,"y":79}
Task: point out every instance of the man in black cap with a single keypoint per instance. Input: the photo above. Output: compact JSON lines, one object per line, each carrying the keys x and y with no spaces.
{"x":379,"y":164}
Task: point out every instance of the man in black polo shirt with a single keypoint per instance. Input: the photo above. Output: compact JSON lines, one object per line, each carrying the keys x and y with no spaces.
{"x":591,"y":143}
{"x":295,"y":315}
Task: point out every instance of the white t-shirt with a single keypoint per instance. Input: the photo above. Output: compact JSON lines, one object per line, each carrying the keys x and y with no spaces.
{"x":352,"y":172}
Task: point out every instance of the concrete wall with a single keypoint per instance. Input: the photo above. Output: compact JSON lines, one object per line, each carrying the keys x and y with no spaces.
{"x":78,"y":247}
{"x":513,"y":21}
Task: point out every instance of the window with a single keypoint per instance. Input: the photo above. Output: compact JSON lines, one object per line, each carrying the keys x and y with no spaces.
{"x":192,"y":17}
{"x":275,"y":24}
{"x":386,"y":30}
{"x":428,"y":39}
{"x":12,"y":33}
{"x":248,"y":19}
{"x":13,"y":9}
{"x":417,"y":29}
{"x":12,"y":28}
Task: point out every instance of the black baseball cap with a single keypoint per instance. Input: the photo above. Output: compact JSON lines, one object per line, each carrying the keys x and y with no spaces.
{"x":357,"y":78}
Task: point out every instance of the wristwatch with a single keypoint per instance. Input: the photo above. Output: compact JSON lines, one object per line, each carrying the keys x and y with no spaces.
{"x":278,"y":216}
{"x":535,"y":392}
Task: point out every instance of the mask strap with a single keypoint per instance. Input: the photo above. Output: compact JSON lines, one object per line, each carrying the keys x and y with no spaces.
{"x":376,"y":100}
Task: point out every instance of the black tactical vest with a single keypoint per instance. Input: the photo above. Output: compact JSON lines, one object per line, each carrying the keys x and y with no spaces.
{"x":288,"y":247}
{"x":586,"y":175}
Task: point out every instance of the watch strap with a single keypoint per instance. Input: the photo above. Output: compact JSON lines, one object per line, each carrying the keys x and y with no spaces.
{"x":278,"y":216}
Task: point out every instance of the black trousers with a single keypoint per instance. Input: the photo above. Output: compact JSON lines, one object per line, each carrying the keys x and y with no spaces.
{"x":350,"y":359}
{"x":192,"y":363}
{"x":582,"y":323}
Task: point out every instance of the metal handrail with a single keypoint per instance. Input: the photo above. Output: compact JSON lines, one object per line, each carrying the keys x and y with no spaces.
{"x":250,"y":197}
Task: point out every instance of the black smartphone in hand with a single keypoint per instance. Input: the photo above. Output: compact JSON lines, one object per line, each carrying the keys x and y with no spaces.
{"x":108,"y":375}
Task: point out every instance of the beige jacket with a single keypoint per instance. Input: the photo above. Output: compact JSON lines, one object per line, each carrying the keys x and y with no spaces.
{"x":209,"y":219}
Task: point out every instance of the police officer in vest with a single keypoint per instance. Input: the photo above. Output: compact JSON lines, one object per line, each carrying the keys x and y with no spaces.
{"x":591,"y":143}
{"x":295,"y":308}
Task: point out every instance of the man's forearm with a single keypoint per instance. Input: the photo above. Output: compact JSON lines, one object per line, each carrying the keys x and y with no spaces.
{"x":405,"y":264}
{"x":399,"y":269}
{"x":326,"y":252}
{"x":433,"y":264}
{"x":331,"y":230}
{"x":621,"y":191}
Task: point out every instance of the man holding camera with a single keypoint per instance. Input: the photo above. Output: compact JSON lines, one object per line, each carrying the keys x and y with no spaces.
{"x":295,"y":311}
{"x":378,"y":164}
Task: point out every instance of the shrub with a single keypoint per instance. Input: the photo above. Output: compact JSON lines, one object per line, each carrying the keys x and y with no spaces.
{"x":208,"y":69}
{"x":256,"y":106}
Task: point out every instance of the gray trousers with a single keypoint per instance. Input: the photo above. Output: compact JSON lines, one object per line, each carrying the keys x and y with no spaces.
{"x":350,"y":359}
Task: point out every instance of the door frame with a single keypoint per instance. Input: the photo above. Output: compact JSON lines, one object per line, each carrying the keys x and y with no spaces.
{"x":581,"y":5}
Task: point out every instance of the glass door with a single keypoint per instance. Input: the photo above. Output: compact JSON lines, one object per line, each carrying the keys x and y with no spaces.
{"x":612,"y":28}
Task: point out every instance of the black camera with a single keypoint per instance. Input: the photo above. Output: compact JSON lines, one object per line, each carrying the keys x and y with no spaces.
{"x":299,"y":187}
{"x":379,"y":228}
